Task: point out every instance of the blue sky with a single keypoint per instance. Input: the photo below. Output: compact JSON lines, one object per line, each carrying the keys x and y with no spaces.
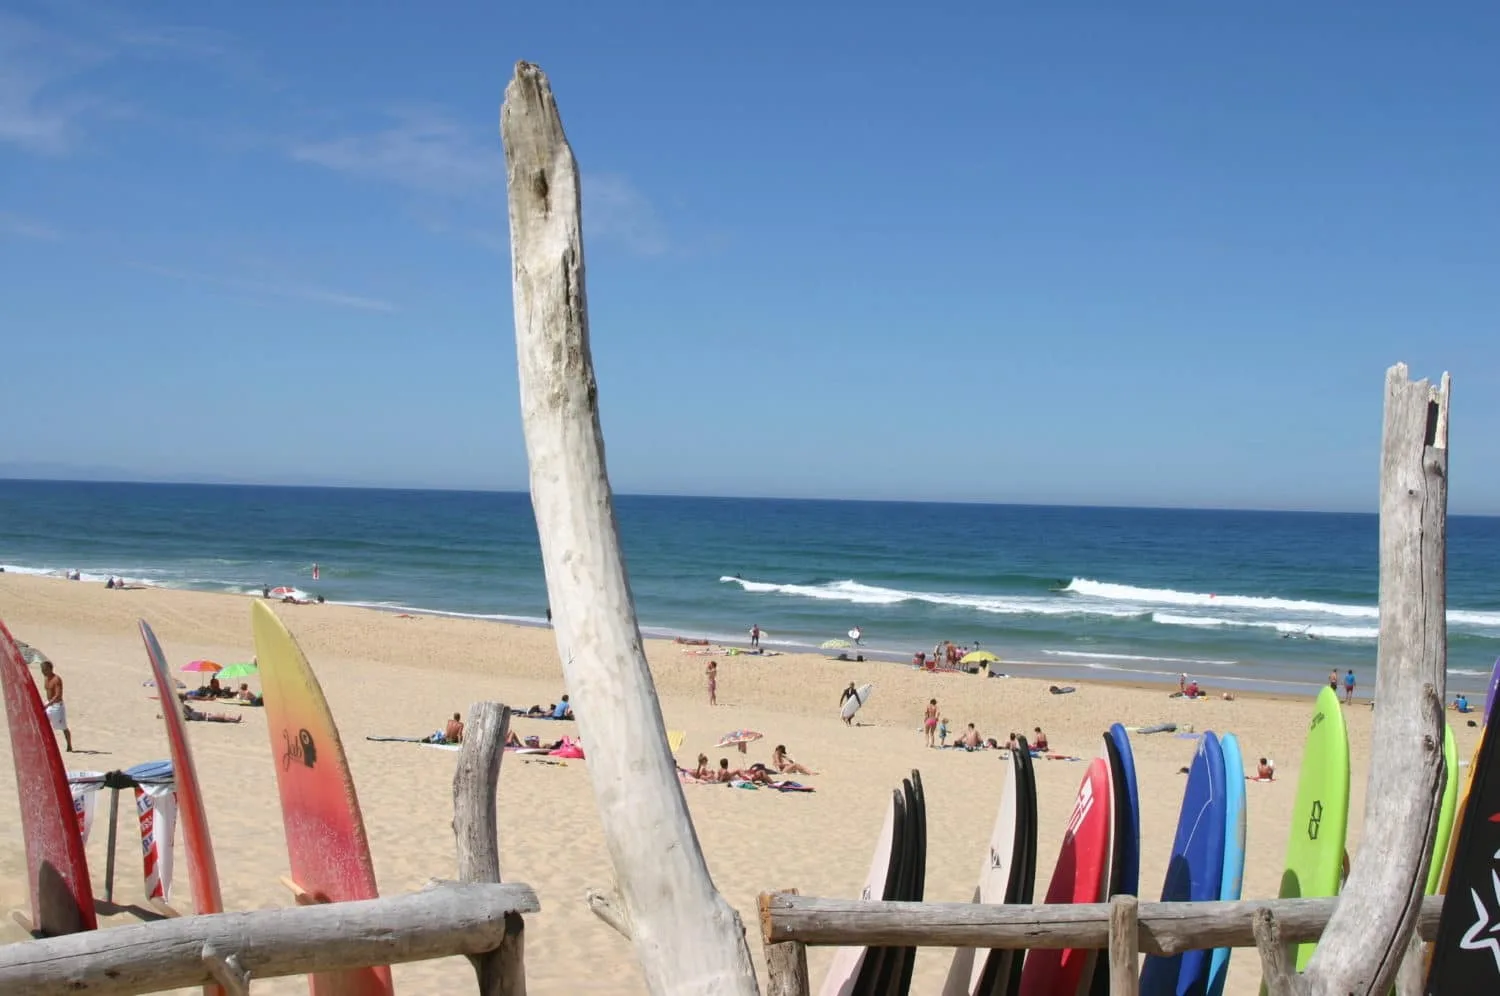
{"x":1100,"y":253}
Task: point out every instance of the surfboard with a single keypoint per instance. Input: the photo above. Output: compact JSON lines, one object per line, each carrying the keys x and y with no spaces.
{"x":1127,"y":809}
{"x":999,"y":878}
{"x":1233,"y":881}
{"x":326,"y":845}
{"x":852,"y":703}
{"x":1493,"y":692}
{"x":848,"y":962}
{"x":1080,"y":876}
{"x":62,"y":898}
{"x":203,"y":872}
{"x":1447,"y":812}
{"x":916,"y":877}
{"x":1466,"y":953}
{"x":1320,"y":814}
{"x":1195,"y":871}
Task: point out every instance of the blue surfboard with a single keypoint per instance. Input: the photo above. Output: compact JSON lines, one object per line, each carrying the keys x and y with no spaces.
{"x":1128,"y":805}
{"x":1234,"y":850}
{"x":1489,"y":696}
{"x":1196,"y":870}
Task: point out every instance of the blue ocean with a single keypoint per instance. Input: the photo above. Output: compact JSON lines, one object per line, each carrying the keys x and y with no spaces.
{"x":1238,"y":599}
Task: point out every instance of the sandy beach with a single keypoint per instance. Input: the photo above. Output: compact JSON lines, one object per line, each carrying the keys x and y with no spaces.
{"x":386,"y":674}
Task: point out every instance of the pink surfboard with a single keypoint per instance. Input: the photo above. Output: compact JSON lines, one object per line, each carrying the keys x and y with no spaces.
{"x":202,"y":871}
{"x":325,"y":834}
{"x":62,"y":898}
{"x":1081,"y":875}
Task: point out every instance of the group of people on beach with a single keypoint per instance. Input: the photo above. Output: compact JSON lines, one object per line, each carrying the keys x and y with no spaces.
{"x":935,"y":732}
{"x":756,"y":774}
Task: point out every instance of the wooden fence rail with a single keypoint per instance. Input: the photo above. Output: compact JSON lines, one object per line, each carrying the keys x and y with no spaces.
{"x":789,"y":922}
{"x":449,"y":919}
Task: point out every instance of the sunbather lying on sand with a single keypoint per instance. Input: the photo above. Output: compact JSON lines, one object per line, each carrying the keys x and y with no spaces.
{"x":193,"y":715}
{"x":783,"y":763}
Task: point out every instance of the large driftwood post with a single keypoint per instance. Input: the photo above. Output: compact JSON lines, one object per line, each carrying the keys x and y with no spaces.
{"x":1367,"y":937}
{"x":476,"y":779}
{"x":687,"y":938}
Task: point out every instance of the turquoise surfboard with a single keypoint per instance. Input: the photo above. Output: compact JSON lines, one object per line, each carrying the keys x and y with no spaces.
{"x":1234,"y":849}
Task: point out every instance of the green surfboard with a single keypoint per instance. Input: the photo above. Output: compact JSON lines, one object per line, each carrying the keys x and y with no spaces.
{"x":1320,"y":817}
{"x":1446,"y":814}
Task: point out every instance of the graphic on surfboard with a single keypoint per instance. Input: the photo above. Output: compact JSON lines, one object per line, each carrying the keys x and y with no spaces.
{"x":62,"y":898}
{"x":1195,"y":872}
{"x":1006,"y":875}
{"x":1466,"y":953}
{"x":202,"y":869}
{"x":1320,"y":815}
{"x":1081,"y":875}
{"x":326,"y":845}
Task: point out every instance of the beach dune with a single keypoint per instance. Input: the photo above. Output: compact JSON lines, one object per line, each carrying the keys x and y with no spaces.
{"x":387,"y":674}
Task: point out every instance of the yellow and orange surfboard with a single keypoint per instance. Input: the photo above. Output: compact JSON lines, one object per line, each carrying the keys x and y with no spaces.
{"x":326,"y":845}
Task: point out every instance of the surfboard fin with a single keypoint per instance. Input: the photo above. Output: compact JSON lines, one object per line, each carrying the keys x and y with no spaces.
{"x":300,"y":895}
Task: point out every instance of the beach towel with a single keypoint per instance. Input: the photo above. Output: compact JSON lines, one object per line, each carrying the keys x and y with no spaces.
{"x":792,"y":787}
{"x":1064,"y":690}
{"x":409,"y":740}
{"x":444,"y":746}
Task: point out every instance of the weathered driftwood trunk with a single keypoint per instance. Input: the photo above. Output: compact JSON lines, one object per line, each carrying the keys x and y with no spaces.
{"x":687,"y":938}
{"x":1367,"y":936}
{"x":476,"y":780}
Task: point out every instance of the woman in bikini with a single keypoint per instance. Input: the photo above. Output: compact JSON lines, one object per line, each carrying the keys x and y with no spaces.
{"x":713,"y":683}
{"x":930,"y":721}
{"x":784,"y":764}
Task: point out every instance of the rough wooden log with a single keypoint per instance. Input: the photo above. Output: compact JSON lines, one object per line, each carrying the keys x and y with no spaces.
{"x":1366,"y":939}
{"x":476,"y":780}
{"x":1411,"y":980}
{"x":1165,"y":928}
{"x":1278,"y":971}
{"x":1124,"y":946}
{"x":687,"y":938}
{"x":786,"y":966}
{"x":226,"y":971}
{"x":300,"y":940}
{"x":606,"y":906}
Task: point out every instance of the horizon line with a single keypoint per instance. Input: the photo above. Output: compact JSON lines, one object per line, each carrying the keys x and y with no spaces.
{"x":722,"y":497}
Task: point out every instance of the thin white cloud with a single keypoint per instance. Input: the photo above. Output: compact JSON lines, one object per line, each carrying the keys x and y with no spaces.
{"x":427,"y":151}
{"x":299,"y":292}
{"x":37,"y":111}
{"x":15,"y":226}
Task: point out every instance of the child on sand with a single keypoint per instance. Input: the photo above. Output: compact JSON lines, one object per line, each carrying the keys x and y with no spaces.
{"x":942,"y":732}
{"x":929,"y":722}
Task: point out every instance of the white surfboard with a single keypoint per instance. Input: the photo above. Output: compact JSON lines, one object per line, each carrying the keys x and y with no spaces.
{"x":852,"y":703}
{"x":966,"y":971}
{"x":844,"y":971}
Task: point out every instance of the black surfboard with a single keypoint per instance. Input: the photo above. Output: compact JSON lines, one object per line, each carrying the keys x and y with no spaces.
{"x":1466,"y":954}
{"x":872,"y":969}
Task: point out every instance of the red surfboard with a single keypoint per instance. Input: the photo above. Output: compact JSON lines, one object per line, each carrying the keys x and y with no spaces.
{"x":202,"y":870}
{"x":62,"y":899}
{"x":1081,"y":875}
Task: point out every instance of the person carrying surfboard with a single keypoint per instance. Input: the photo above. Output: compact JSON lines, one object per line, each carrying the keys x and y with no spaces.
{"x":849,"y":693}
{"x":57,"y":712}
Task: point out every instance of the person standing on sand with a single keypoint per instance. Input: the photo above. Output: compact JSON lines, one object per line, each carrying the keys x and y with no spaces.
{"x":1333,"y":680}
{"x":1349,"y":687}
{"x":849,"y":693}
{"x":57,"y":712}
{"x":713,"y":683}
{"x":755,"y":636}
{"x":930,"y":721}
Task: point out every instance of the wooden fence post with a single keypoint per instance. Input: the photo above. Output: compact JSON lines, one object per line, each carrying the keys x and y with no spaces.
{"x":687,"y":938}
{"x":502,"y":971}
{"x":786,"y":962}
{"x":1366,"y":939}
{"x":1124,"y":947}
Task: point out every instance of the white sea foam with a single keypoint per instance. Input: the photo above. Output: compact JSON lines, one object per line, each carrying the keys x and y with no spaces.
{"x":863,"y":594}
{"x":1136,"y":657}
{"x":1280,"y":626}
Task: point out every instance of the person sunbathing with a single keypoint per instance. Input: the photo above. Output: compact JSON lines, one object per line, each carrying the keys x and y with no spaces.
{"x":453,"y":733}
{"x":970,"y":739}
{"x":703,"y":772}
{"x":248,"y":697}
{"x":1264,"y":771}
{"x":209,"y":691}
{"x":1039,"y":740}
{"x":194,"y":716}
{"x":783,"y":763}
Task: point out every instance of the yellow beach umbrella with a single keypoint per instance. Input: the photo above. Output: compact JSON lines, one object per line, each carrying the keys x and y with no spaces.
{"x":979,"y":657}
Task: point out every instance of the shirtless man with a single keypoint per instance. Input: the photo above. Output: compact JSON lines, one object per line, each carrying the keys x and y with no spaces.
{"x":970,"y":739}
{"x":57,"y":713}
{"x":453,"y":733}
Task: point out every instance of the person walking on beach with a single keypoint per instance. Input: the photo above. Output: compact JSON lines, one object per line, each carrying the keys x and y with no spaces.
{"x":755,"y":636}
{"x":713,"y":683}
{"x":930,"y":721}
{"x":849,"y":693}
{"x":1333,"y":680}
{"x":1349,"y":687}
{"x":57,"y":712}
